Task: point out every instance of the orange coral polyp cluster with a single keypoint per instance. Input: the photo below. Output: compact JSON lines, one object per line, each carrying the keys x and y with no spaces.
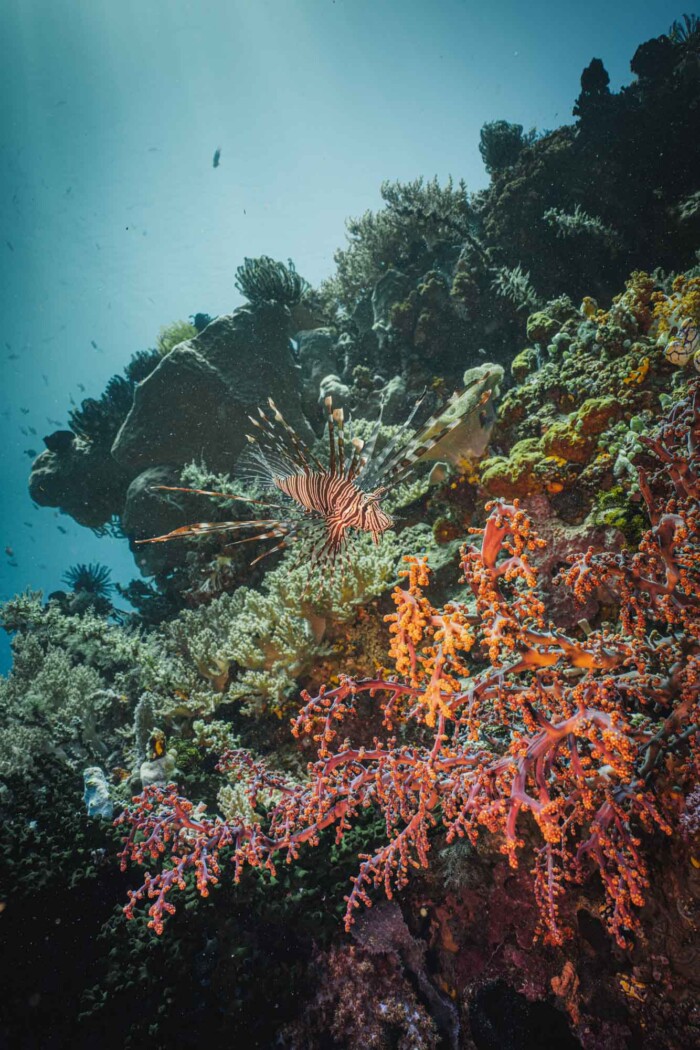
{"x":559,"y":746}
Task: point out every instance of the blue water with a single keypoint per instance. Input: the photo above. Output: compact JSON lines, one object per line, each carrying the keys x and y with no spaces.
{"x":114,"y":221}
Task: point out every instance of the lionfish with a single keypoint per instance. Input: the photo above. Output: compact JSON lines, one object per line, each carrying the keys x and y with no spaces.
{"x":325,"y":504}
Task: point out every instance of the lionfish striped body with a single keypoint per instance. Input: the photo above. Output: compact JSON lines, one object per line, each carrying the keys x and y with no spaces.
{"x":325,"y":504}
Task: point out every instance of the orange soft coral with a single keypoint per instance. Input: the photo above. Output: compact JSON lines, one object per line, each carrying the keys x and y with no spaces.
{"x":557,"y":745}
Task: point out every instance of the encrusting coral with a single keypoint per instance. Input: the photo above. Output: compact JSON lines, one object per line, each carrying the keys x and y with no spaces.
{"x":586,"y":391}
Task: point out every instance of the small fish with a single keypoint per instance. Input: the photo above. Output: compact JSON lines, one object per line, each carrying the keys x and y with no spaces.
{"x":157,"y":744}
{"x":28,"y":524}
{"x":24,"y":411}
{"x":54,"y":422}
{"x":61,"y":529}
{"x":9,"y":552}
{"x":94,"y":345}
{"x":217,"y":158}
{"x":45,"y":378}
{"x":31,"y":452}
{"x":10,"y":245}
{"x":24,"y":431}
{"x":32,"y":431}
{"x":68,"y":190}
{"x":81,"y":387}
{"x":13,"y":357}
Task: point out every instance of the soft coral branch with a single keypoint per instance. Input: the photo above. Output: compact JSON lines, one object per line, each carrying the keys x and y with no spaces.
{"x":569,"y":731}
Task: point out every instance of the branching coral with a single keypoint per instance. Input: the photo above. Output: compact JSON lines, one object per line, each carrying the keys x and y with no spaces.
{"x":574,"y":732}
{"x":253,"y":646}
{"x":579,"y":223}
{"x":98,"y":421}
{"x":501,"y":143}
{"x":417,"y":216}
{"x":515,"y":284}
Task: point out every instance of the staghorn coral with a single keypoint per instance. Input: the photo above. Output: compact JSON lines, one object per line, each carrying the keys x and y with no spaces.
{"x":574,"y":732}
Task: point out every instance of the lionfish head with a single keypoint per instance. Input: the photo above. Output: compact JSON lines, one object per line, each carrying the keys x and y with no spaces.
{"x":374,"y":518}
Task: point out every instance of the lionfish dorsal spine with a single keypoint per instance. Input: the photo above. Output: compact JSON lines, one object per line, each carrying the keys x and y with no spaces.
{"x":339,"y":420}
{"x":292,"y":460}
{"x":304,"y":453}
{"x":328,"y":402}
{"x":357,"y":460}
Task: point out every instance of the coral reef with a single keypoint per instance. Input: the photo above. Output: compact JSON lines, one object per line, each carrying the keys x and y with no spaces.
{"x":564,"y":727}
{"x":510,"y":753}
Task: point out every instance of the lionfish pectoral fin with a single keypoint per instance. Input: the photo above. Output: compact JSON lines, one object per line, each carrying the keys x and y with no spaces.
{"x":278,"y":547}
{"x":207,"y":492}
{"x":205,"y":528}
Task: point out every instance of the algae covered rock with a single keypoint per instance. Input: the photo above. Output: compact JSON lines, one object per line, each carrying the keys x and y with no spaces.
{"x":79,"y":477}
{"x":541,"y":328}
{"x":524,"y":364}
{"x":575,"y":438}
{"x":516,"y":475}
{"x":318,"y":358}
{"x":200,"y":395}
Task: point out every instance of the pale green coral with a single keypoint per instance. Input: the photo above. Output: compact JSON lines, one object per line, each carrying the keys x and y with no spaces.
{"x":253,"y":646}
{"x":171,"y":335}
{"x":68,"y":693}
